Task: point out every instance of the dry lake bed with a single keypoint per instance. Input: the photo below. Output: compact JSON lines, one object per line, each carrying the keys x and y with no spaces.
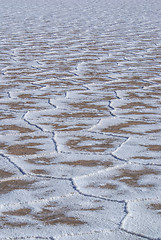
{"x":80,"y":120}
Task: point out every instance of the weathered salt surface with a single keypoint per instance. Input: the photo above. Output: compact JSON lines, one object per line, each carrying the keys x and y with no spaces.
{"x":80,"y":119}
{"x":144,"y":217}
{"x":59,"y":214}
{"x":103,"y":235}
{"x":124,"y":182}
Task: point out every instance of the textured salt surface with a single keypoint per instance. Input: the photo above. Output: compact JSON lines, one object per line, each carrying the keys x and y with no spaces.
{"x":80,"y":96}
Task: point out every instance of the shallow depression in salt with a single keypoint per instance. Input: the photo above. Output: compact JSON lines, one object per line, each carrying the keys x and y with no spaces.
{"x":80,"y":120}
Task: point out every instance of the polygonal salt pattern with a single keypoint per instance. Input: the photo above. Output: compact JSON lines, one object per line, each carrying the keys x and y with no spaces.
{"x":80,"y":119}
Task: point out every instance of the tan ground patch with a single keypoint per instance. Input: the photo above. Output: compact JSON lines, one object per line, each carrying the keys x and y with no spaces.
{"x":88,"y":163}
{"x":16,"y":128}
{"x":21,"y":106}
{"x":39,"y":171}
{"x":108,"y":186}
{"x":92,"y":209}
{"x":53,"y":217}
{"x":11,"y":185}
{"x":100,"y":145}
{"x":20,"y":150}
{"x":2,"y":87}
{"x":131,"y":177}
{"x":41,"y":161}
{"x":32,"y":137}
{"x":118,"y":128}
{"x":156,"y":207}
{"x":4,"y":116}
{"x":66,"y":115}
{"x":137,"y":104}
{"x":24,"y":96}
{"x":19,"y":212}
{"x":139,"y":112}
{"x":13,"y":224}
{"x":2,"y":145}
{"x":67,"y":128}
{"x":88,"y":105}
{"x":142,"y":157}
{"x":5,"y":174}
{"x":147,"y":95}
{"x":154,"y":148}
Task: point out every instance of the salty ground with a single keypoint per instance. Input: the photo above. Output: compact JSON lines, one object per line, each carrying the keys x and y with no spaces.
{"x":80,"y":120}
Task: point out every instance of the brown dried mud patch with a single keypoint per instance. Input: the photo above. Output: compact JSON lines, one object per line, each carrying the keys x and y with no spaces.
{"x":13,"y":224}
{"x":39,"y":171}
{"x":2,"y":87}
{"x":19,"y":212}
{"x":22,"y":106}
{"x":88,"y":105}
{"x":32,"y":137}
{"x":131,"y":177}
{"x":21,"y":150}
{"x":2,"y":145}
{"x":154,"y":148}
{"x":11,"y":185}
{"x":154,"y":131}
{"x":4,"y":116}
{"x":134,"y":82}
{"x":92,"y":209}
{"x":108,"y":186}
{"x":24,"y":96}
{"x":100,"y":145}
{"x":70,"y":128}
{"x":139,"y":112}
{"x":120,"y":87}
{"x":142,"y":157}
{"x":105,"y":186}
{"x":16,"y":128}
{"x":53,"y":217}
{"x":118,"y":128}
{"x":41,"y":161}
{"x":157,"y":207}
{"x":147,"y":95}
{"x":137,"y":104}
{"x":88,"y":163}
{"x":5,"y":174}
{"x":65,"y":115}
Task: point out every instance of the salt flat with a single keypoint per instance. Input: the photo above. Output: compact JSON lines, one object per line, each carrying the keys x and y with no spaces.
{"x":80,"y":120}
